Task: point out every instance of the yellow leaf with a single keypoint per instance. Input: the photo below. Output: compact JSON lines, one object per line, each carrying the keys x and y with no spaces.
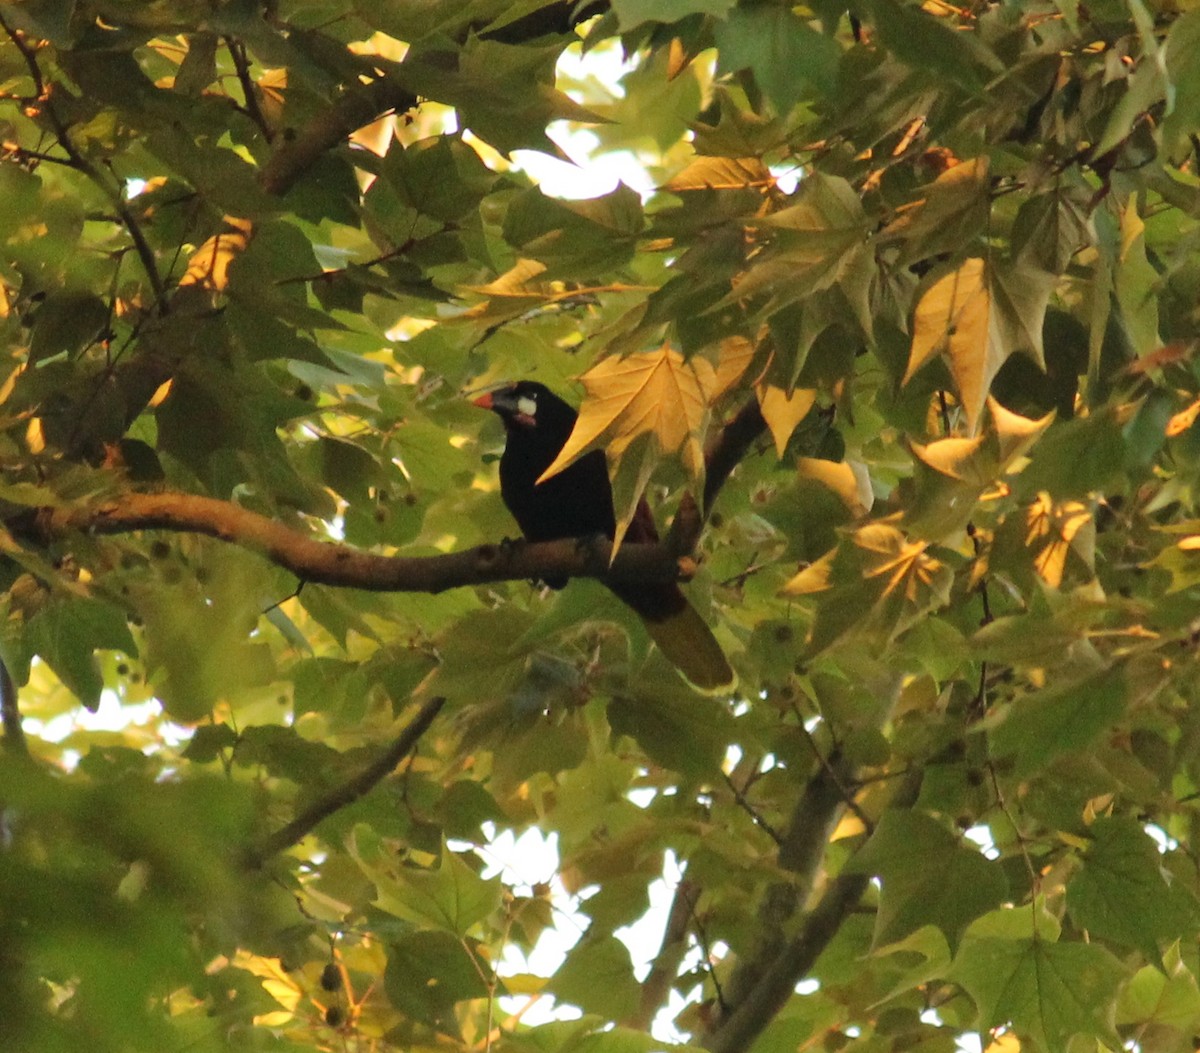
{"x":783,"y":412}
{"x":955,"y":318}
{"x":1052,"y":530}
{"x":722,"y":173}
{"x":839,"y":477}
{"x":209,"y":265}
{"x":1016,"y":433}
{"x":906,"y":564}
{"x":813,"y":578}
{"x":734,"y":358}
{"x":950,"y":456}
{"x":35,"y":437}
{"x":1183,"y":420}
{"x":515,"y":281}
{"x":650,"y":405}
{"x":1005,"y":1042}
{"x":655,"y":393}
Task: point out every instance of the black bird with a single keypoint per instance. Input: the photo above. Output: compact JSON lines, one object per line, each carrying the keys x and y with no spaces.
{"x":577,"y":502}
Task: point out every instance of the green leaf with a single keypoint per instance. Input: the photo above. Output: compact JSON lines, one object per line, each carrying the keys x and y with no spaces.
{"x":929,"y":877}
{"x":1165,"y":996}
{"x":598,"y":977}
{"x":784,"y":52}
{"x":928,"y":44}
{"x":1122,"y":892}
{"x":429,"y":973}
{"x":1047,"y":724}
{"x":575,"y":238}
{"x":68,"y":632}
{"x":452,"y":897}
{"x":633,"y":13}
{"x":66,"y":321}
{"x":1046,"y":990}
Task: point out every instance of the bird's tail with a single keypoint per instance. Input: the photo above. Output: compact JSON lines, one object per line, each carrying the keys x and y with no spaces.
{"x":689,"y":645}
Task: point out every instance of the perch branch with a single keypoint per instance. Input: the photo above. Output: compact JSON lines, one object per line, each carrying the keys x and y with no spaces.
{"x":349,"y":792}
{"x":330,"y":563}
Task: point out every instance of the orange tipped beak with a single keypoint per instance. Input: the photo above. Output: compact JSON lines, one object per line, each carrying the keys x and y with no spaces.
{"x":484,"y":401}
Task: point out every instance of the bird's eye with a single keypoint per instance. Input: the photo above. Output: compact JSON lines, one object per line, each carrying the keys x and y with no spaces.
{"x":527,"y":404}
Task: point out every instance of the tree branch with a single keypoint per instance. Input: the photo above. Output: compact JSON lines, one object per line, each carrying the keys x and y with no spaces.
{"x":330,"y":563}
{"x":298,"y":151}
{"x":81,"y":164}
{"x":657,"y":984}
{"x":722,"y":455}
{"x":341,"y":796}
{"x":777,"y":974}
{"x":801,"y":849}
{"x":10,"y":715}
{"x":732,"y":444}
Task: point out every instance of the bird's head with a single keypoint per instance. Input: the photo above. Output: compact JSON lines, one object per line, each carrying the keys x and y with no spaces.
{"x":528,"y":405}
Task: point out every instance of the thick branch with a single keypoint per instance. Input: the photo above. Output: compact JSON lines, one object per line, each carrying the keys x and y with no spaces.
{"x":739,"y":1030}
{"x":359,"y":106}
{"x":657,"y":985}
{"x":349,"y":792}
{"x":722,"y":455}
{"x":801,"y":849}
{"x":732,"y":444}
{"x":329,"y":563}
{"x":778,"y":972}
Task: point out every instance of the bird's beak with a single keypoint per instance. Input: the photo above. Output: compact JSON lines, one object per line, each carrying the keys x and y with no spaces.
{"x":484,"y":401}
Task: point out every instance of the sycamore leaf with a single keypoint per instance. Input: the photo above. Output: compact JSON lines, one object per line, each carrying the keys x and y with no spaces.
{"x":209,"y":265}
{"x":642,"y":407}
{"x":1019,"y":298}
{"x":1015,"y":433}
{"x":953,"y":208}
{"x":1123,"y":894}
{"x":733,"y":359}
{"x":1047,"y":724}
{"x":958,"y":317}
{"x":515,"y":281}
{"x":813,"y":578}
{"x":905,"y":566}
{"x":1045,"y":988}
{"x":1053,"y":531}
{"x":1183,"y":420}
{"x":852,"y":487}
{"x":929,"y":877}
{"x":721,"y":173}
{"x":953,"y":457}
{"x":783,"y":412}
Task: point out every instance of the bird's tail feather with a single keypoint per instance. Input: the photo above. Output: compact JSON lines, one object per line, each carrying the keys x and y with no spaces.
{"x":689,"y":645}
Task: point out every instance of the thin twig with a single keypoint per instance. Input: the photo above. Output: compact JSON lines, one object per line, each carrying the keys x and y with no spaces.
{"x":241,"y":64}
{"x":706,"y":951}
{"x":847,"y":795}
{"x":745,"y":805}
{"x":81,"y":164}
{"x":349,"y":792}
{"x":10,"y":715}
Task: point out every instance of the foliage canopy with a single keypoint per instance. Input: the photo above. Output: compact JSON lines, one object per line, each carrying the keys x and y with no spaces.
{"x":902,"y":347}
